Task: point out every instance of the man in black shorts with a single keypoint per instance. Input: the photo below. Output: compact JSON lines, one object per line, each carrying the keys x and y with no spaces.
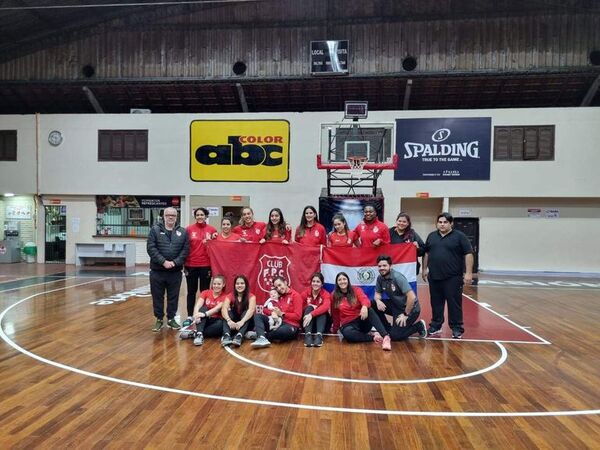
{"x":447,"y":264}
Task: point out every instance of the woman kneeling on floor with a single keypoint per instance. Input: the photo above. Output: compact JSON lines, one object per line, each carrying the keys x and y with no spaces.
{"x":354,"y":315}
{"x":317,"y":302}
{"x":207,"y":311}
{"x":290,"y":312}
{"x":238,"y":310}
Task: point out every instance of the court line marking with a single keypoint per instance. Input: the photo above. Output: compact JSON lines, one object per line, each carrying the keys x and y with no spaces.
{"x":37,"y":284}
{"x":502,"y":360}
{"x":25,"y":352}
{"x":543,"y":341}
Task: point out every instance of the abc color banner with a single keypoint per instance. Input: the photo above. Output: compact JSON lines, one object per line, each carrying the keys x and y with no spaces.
{"x":443,"y":149}
{"x":239,"y":150}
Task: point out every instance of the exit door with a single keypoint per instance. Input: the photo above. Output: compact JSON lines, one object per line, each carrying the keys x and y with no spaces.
{"x":470,"y":227}
{"x":56,"y":233}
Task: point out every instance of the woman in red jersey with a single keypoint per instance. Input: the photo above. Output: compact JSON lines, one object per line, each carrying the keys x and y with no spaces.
{"x":353,"y":313}
{"x":238,"y":310}
{"x":371,"y":231}
{"x":310,"y":231}
{"x":289,"y":309}
{"x":197,"y":264}
{"x":248,"y":229}
{"x":207,"y":311}
{"x":276,"y":229}
{"x":341,"y":236}
{"x":226,"y":234}
{"x":317,"y":303}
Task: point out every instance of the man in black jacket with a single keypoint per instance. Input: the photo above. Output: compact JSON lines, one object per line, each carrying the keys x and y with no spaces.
{"x":168,"y":247}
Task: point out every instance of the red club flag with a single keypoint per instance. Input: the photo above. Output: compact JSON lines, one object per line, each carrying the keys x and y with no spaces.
{"x":261,"y":263}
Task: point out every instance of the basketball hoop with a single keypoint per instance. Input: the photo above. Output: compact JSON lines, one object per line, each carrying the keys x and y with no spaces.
{"x":357,"y":165}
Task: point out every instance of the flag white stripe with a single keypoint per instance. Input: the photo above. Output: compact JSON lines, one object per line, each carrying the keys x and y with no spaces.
{"x":367,"y":275}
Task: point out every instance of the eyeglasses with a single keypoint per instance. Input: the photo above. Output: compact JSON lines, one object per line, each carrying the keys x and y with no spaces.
{"x":170,"y":215}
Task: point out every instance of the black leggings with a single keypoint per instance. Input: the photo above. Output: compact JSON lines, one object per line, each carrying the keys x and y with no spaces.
{"x":318,"y":324}
{"x":358,"y":330}
{"x":233,"y":315}
{"x":193,"y":277}
{"x":285,"y":332}
{"x":209,"y":326}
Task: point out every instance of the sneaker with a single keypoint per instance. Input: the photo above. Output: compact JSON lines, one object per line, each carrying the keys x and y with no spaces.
{"x":308,"y":340}
{"x":172,"y":323}
{"x":317,"y":340}
{"x":187,"y":334}
{"x":457,"y":333}
{"x":199,"y":339}
{"x":187,"y":322}
{"x":422,"y":329}
{"x":158,"y":325}
{"x":251,"y":335}
{"x":226,"y":340}
{"x":377,"y":337}
{"x":434,"y":331}
{"x":387,"y":343}
{"x":237,"y":340}
{"x":261,"y":342}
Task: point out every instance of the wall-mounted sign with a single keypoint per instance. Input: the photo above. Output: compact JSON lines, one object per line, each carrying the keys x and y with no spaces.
{"x":18,"y":212}
{"x":136,"y":201}
{"x":443,"y":149}
{"x":239,"y":150}
{"x":329,"y":57}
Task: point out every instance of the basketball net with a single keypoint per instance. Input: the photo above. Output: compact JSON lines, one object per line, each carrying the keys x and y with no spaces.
{"x":357,"y":165}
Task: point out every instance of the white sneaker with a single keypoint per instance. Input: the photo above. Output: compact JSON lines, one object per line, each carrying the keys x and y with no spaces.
{"x":261,"y":342}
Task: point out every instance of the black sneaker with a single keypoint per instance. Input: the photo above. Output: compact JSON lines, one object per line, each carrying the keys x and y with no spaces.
{"x":422,"y":329}
{"x":434,"y":331}
{"x":308,"y":340}
{"x":226,"y":340}
{"x":317,"y":340}
{"x":457,"y":333}
{"x":172,"y":323}
{"x":237,"y":340}
{"x":157,"y":325}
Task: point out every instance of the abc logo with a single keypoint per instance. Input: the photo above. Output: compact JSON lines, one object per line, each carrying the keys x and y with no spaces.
{"x":235,"y":153}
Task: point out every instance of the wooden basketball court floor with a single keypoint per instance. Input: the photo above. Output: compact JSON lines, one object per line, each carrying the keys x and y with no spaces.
{"x":80,"y":368}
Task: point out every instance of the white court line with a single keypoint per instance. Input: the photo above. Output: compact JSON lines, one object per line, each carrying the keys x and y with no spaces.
{"x":544,"y":341}
{"x":503,"y":357}
{"x":37,"y":284}
{"x":271,"y":403}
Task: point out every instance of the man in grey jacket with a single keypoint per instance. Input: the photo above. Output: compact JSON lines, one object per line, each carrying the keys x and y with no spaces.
{"x":168,"y":247}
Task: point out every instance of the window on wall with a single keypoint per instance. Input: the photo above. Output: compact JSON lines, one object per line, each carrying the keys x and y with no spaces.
{"x":8,"y":145}
{"x":528,"y":143}
{"x":122,"y":145}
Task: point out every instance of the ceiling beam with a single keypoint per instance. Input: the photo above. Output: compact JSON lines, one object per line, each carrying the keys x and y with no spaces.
{"x":93,"y":100}
{"x":591,"y":93}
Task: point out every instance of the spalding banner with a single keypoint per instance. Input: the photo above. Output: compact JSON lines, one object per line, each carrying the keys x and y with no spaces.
{"x":239,"y":150}
{"x":443,"y":149}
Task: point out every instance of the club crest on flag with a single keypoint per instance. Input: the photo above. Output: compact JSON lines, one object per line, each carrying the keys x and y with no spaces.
{"x":270,"y":268}
{"x":366,"y":275}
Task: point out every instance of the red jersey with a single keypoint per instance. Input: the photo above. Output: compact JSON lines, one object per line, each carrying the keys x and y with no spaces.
{"x":276,"y":237}
{"x":290,"y":305}
{"x":315,"y":235}
{"x":210,"y":301}
{"x":345,"y":312}
{"x":322,"y":302}
{"x":252,"y":233}
{"x":197,"y":234}
{"x":346,"y":240}
{"x":369,"y":232}
{"x":233,"y":237}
